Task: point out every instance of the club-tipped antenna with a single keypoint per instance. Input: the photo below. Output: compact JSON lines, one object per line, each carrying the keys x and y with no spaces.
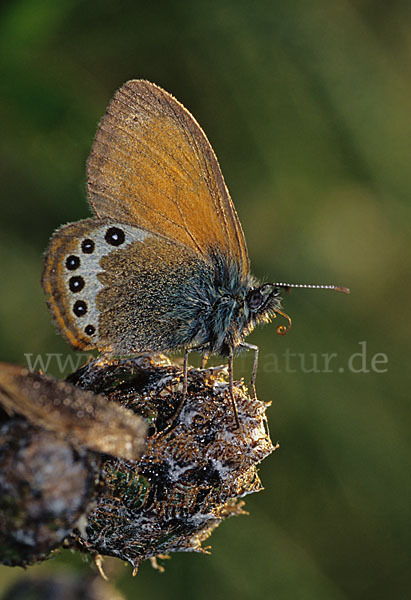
{"x":283,"y":329}
{"x":336,"y":288}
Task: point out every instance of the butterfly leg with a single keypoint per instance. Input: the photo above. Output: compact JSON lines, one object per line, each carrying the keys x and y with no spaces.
{"x":185,"y":366}
{"x":185,"y":373}
{"x":255,"y":366}
{"x":231,"y":387}
{"x":204,"y":360}
{"x":185,"y":387}
{"x":185,"y":378}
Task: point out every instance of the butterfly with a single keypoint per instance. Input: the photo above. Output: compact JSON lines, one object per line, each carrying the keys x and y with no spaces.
{"x":163,"y":265}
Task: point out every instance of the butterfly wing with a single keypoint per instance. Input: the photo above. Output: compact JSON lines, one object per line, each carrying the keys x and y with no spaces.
{"x":123,"y":289}
{"x":151,"y":165}
{"x":70,"y":281}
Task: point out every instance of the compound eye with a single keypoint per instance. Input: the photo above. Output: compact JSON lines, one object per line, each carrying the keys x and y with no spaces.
{"x":255,"y":299}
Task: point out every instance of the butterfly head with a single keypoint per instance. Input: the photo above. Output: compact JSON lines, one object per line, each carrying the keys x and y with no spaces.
{"x":264,"y":302}
{"x":238,"y":305}
{"x":264,"y":298}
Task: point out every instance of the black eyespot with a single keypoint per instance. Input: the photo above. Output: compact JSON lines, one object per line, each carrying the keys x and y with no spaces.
{"x":90,"y":330}
{"x":76,"y":284}
{"x":72,"y":262}
{"x":87,"y":246}
{"x":255,"y":299}
{"x":114,"y":236}
{"x":79,"y":308}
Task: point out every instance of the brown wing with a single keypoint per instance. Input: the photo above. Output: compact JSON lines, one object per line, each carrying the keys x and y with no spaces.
{"x":140,"y":295}
{"x":151,"y":165}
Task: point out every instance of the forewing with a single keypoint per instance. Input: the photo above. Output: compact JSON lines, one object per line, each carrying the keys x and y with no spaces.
{"x":151,"y":165}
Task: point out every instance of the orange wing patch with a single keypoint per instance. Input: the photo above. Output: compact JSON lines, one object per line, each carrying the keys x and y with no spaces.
{"x":151,"y":165}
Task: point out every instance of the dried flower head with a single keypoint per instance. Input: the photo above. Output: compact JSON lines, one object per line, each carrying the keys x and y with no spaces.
{"x":189,"y":474}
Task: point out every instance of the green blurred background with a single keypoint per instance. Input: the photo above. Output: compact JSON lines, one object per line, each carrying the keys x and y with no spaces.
{"x":307,"y":105}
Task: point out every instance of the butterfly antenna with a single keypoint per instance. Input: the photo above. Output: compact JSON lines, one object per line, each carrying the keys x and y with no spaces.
{"x":336,"y":288}
{"x":283,"y":329}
